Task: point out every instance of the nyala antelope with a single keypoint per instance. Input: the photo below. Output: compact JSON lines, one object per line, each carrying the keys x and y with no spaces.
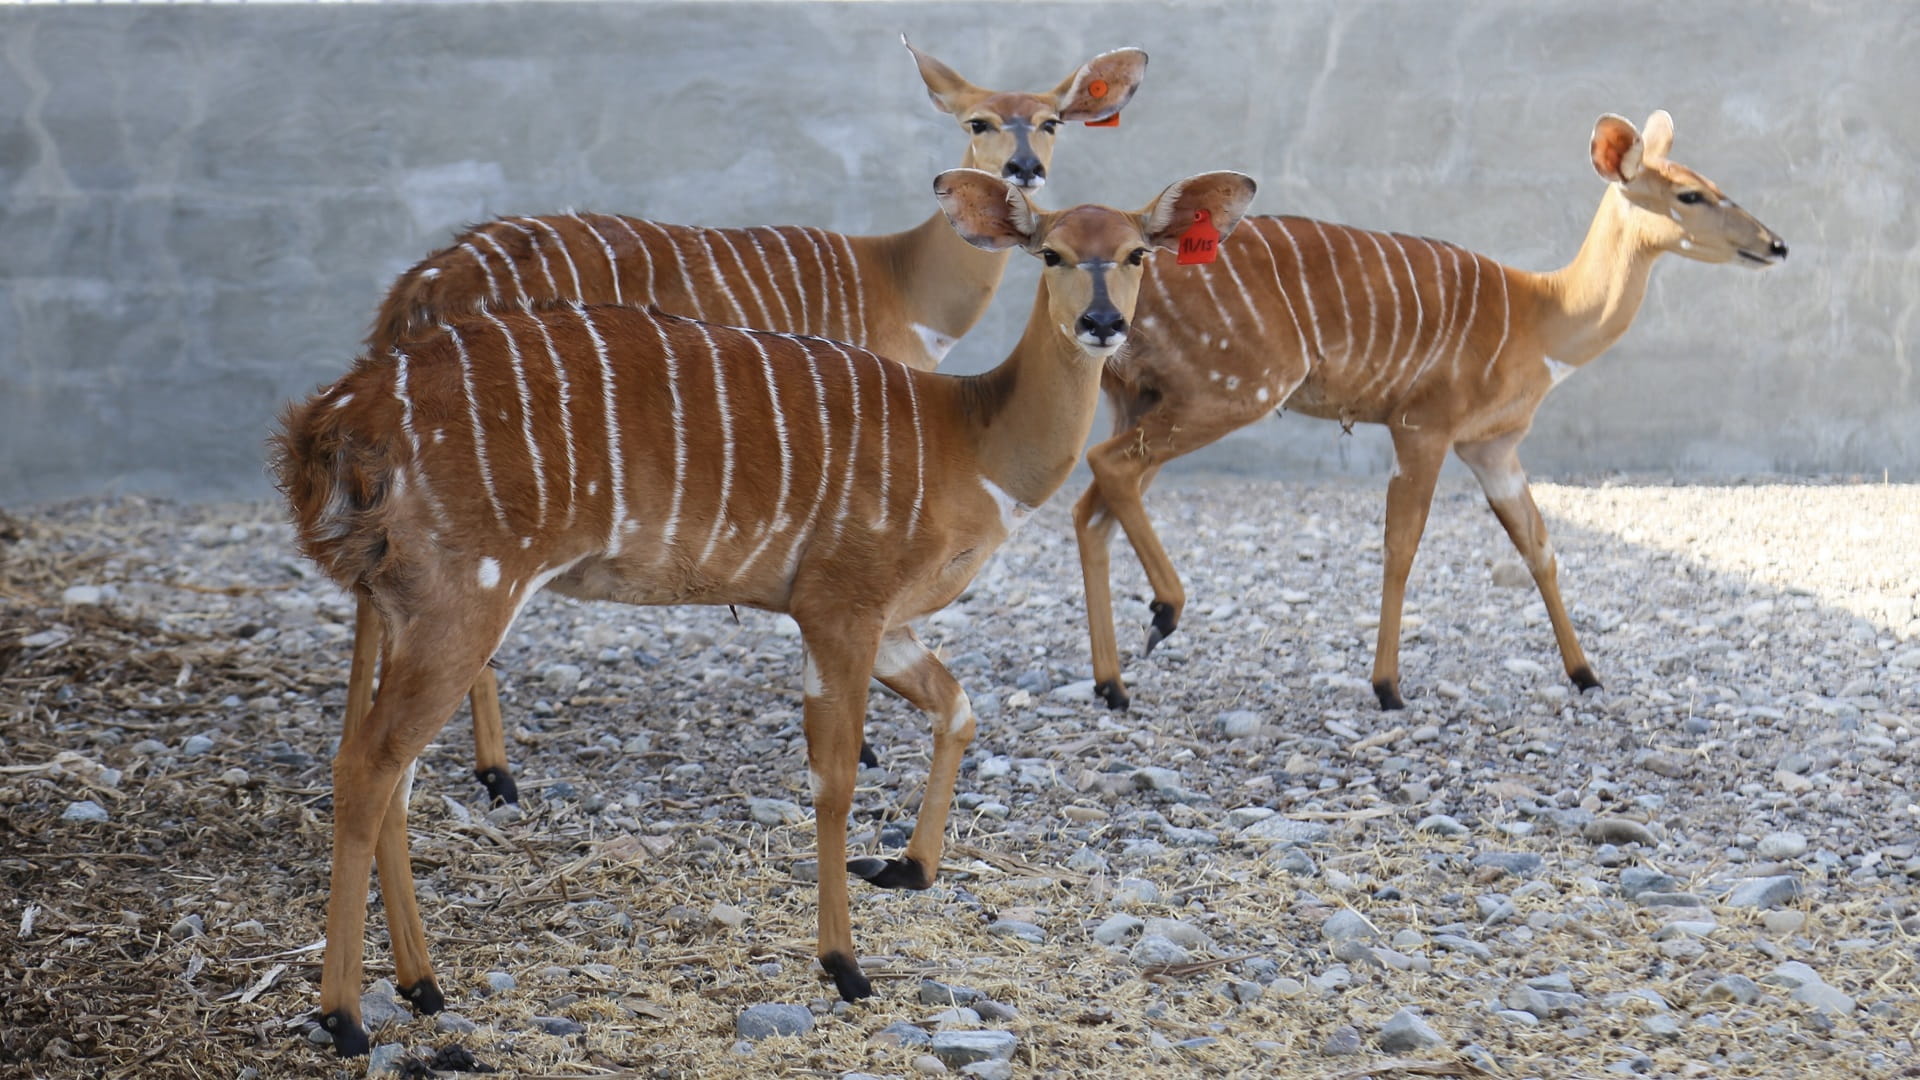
{"x":907,"y":296}
{"x":612,"y":452}
{"x":1449,"y":349}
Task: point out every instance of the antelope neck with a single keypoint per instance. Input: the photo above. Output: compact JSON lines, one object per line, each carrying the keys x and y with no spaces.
{"x":1030,"y":416}
{"x":945,"y":282}
{"x":1591,"y":301}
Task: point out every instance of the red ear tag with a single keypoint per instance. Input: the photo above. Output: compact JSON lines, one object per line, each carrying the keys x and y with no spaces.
{"x":1098,"y":89}
{"x":1111,"y":121}
{"x":1201,"y":242}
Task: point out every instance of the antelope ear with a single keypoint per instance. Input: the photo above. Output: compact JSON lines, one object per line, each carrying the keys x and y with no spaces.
{"x":1658,"y":136}
{"x":1616,"y":149}
{"x":1223,"y":195}
{"x":986,"y":211}
{"x":1116,"y":74}
{"x":949,"y":91}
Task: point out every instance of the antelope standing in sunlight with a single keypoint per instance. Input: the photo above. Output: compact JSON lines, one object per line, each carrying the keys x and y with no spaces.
{"x":611,"y":452}
{"x":907,"y":296}
{"x":1449,"y":349}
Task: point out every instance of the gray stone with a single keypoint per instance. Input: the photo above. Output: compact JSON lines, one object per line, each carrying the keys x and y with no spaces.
{"x":761,"y":1021}
{"x":1827,"y":999}
{"x":452,"y":1023}
{"x":559,"y":1025}
{"x":1346,"y":924}
{"x":1517,"y":863}
{"x":1406,"y":1032}
{"x":1684,"y":929}
{"x":1782,"y":845}
{"x":928,"y":1065}
{"x":1295,"y":862}
{"x":1180,"y":933}
{"x":989,"y":1070}
{"x":1280,"y":829}
{"x":1737,"y":989}
{"x":1792,"y":974}
{"x":1670,"y":899}
{"x":1087,"y":861}
{"x":1661,"y":1026}
{"x":1014,"y":928}
{"x":1766,"y":892}
{"x":81,"y":595}
{"x":84,"y":811}
{"x":1616,"y":830}
{"x":1545,"y":1004}
{"x":934,"y":992}
{"x":1442,"y":825}
{"x":1518,"y":1016}
{"x":195,"y":745}
{"x":1343,"y":1042}
{"x":380,"y":1006}
{"x":1456,"y":943}
{"x":1153,"y":951}
{"x":1117,"y":928}
{"x":901,"y":1033}
{"x":499,"y":982}
{"x":775,"y":812}
{"x":958,"y":1048}
{"x":385,"y":1058}
{"x":1239,"y":724}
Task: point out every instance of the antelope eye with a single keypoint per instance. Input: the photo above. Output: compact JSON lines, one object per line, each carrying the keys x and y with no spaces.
{"x":1138,"y":256}
{"x":1691,"y":197}
{"x":979,"y":127}
{"x":1050,"y":256}
{"x":1050,"y":126}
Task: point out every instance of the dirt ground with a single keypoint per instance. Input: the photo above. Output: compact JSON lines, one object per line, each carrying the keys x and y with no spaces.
{"x":1706,"y":869}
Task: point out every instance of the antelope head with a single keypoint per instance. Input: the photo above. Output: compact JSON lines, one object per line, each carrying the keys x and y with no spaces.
{"x":1011,"y":134}
{"x":1094,"y":255}
{"x":1677,"y":208}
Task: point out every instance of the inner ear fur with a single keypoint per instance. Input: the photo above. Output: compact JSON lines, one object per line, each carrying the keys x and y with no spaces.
{"x":1223,"y":195}
{"x":985,"y":210}
{"x":1122,"y":70}
{"x":948,"y":89}
{"x":1616,"y":149}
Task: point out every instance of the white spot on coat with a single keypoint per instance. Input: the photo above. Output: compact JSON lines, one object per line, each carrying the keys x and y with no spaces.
{"x":489,"y":572}
{"x":936,"y":343}
{"x":342,"y":403}
{"x":1261,"y":395}
{"x":1012,"y":511}
{"x":1557,"y":370}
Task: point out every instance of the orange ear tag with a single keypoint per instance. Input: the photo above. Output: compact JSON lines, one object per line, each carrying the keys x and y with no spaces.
{"x":1098,"y":89}
{"x":1201,"y":242}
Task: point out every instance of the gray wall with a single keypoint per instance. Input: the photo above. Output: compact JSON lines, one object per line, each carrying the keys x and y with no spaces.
{"x":203,"y":204}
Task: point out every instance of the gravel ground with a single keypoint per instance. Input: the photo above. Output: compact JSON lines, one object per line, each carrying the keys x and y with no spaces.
{"x":1707,"y":869}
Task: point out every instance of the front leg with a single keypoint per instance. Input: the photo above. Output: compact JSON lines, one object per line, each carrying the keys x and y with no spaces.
{"x":1496,"y":463}
{"x":909,"y":669}
{"x":1417,"y":459}
{"x":839,"y":661}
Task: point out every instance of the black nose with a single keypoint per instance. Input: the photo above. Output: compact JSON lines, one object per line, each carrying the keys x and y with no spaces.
{"x":1778,"y":249}
{"x":1024,"y":169}
{"x":1102,"y":325}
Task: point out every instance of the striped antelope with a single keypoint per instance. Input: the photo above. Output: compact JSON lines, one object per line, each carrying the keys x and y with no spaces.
{"x":907,"y":296}
{"x":1449,"y":349}
{"x":617,"y":453}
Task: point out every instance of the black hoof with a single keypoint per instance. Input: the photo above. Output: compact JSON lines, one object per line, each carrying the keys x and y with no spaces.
{"x":500,"y":785}
{"x":1583,"y":678}
{"x":845,"y":970}
{"x":868,"y":759}
{"x":1165,"y":622}
{"x":900,"y":873}
{"x":1111,"y":693}
{"x":425,"y":997}
{"x":348,"y":1038}
{"x":1388,"y":694}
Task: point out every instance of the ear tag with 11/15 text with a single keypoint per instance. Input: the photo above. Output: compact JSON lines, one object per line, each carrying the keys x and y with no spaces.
{"x":1201,"y":242}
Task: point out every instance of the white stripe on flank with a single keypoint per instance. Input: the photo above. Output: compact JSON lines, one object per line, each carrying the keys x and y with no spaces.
{"x":579,"y":291}
{"x":1393,"y":289}
{"x":1306,"y":290}
{"x":720,"y":279}
{"x":726,"y":445}
{"x":613,"y":265}
{"x":1448,"y":289}
{"x":1306,"y":354}
{"x":473,"y":417}
{"x":1506,"y":323}
{"x":405,"y":399}
{"x":1419,"y":310}
{"x":513,"y":271}
{"x":752,"y":279}
{"x":1226,"y":259}
{"x":566,"y":415}
{"x":826,"y":454}
{"x":1466,"y":328}
{"x":853,"y":440}
{"x":1340,"y":287}
{"x":672,"y":527}
{"x":859,"y":291}
{"x":1393,"y":364}
{"x":919,"y":453}
{"x":1222,"y":320}
{"x":1373,"y":307}
{"x":533,"y":241}
{"x":777,"y":521}
{"x":824,"y":326}
{"x":774,"y":279}
{"x":493,"y":287}
{"x":526,"y":415}
{"x":886,"y":443}
{"x":646,"y":296}
{"x":616,"y":467}
{"x":686,"y":277}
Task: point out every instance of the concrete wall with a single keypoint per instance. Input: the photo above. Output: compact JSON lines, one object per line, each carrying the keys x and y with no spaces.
{"x":204,"y":203}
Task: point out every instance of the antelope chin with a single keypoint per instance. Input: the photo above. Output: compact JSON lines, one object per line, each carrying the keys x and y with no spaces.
{"x":1759,"y":262}
{"x":1101,"y":349}
{"x":1034,"y":184}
